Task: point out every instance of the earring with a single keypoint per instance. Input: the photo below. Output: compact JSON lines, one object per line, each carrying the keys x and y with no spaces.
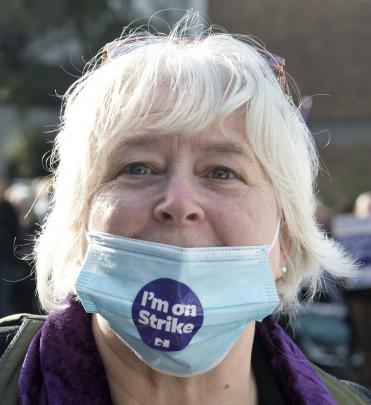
{"x":283,"y":269}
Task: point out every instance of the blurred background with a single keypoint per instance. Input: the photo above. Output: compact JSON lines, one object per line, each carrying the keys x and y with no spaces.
{"x":44,"y":46}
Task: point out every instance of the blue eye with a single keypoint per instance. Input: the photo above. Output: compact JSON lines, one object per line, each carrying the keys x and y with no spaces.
{"x":222,"y":173}
{"x":137,"y":169}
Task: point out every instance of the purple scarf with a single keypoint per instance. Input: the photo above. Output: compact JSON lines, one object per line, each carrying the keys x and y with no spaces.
{"x":63,"y":367}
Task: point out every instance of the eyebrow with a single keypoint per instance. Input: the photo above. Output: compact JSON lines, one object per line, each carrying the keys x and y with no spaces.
{"x":152,"y":139}
{"x":226,"y":147}
{"x":140,"y":140}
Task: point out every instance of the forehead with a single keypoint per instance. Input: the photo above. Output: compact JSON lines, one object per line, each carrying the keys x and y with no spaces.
{"x":227,"y":136}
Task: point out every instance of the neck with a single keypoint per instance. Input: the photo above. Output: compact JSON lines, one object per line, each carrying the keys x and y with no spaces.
{"x":231,"y":382}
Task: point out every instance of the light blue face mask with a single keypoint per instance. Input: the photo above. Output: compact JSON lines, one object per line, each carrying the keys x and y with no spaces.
{"x":180,"y":310}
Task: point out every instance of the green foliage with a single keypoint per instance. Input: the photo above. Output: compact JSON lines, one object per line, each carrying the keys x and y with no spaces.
{"x":29,"y":28}
{"x":28,"y":151}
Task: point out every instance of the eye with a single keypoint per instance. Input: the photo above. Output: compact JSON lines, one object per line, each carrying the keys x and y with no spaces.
{"x":137,"y":169}
{"x":222,"y":173}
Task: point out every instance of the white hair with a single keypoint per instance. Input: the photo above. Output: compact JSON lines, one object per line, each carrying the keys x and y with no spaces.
{"x":205,"y":78}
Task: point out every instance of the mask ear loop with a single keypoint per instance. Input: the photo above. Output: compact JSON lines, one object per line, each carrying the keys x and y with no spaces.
{"x":271,"y":246}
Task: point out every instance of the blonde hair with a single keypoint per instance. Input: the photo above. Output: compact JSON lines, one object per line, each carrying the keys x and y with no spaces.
{"x":206,"y":78}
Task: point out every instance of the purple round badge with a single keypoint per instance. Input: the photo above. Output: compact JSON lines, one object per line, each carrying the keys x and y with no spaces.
{"x":167,"y":314}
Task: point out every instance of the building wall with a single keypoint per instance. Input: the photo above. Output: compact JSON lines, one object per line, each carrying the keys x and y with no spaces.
{"x":326,"y":45}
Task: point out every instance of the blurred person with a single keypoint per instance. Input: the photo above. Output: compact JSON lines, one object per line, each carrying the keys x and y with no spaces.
{"x":183,"y":216}
{"x":41,"y":206}
{"x":9,"y":230}
{"x":21,"y":194}
{"x":358,"y":297}
{"x":362,"y":206}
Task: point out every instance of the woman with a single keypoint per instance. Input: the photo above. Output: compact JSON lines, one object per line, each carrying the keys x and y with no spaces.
{"x":183,"y":214}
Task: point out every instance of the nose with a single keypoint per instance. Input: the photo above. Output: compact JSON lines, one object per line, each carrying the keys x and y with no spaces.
{"x":179,"y":205}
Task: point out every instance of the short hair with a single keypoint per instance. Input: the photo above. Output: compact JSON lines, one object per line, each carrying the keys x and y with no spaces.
{"x":205,"y":79}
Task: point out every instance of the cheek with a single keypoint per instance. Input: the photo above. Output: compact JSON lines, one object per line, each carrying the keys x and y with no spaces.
{"x":116,"y":212}
{"x":248,"y":219}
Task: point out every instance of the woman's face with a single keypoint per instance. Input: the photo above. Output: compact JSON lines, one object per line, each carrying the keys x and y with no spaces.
{"x":196,"y":190}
